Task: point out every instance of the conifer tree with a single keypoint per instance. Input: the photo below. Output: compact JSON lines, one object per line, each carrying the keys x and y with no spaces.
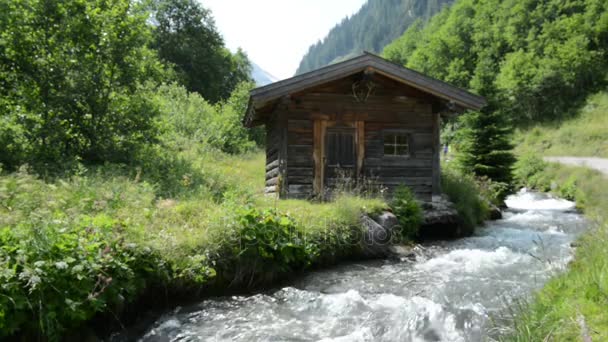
{"x":484,"y":146}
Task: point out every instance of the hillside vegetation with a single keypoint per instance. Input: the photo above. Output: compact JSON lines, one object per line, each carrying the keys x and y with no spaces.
{"x":585,"y":134}
{"x":375,"y":25}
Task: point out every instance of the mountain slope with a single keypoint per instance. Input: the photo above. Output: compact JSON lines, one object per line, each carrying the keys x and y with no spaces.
{"x":375,"y":25}
{"x":261,"y":76}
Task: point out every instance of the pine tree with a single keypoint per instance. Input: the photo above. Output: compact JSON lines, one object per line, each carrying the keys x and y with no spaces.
{"x":484,"y":146}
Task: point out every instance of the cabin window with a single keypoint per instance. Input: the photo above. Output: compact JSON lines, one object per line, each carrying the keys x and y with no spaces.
{"x":396,"y":144}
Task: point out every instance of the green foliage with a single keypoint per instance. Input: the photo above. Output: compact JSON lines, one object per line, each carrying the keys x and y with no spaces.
{"x":464,"y":192}
{"x":187,"y":38}
{"x":408,"y":212}
{"x":71,"y":85}
{"x":583,"y":135}
{"x":580,"y":293}
{"x":531,"y":59}
{"x":190,"y":119}
{"x":92,"y":243}
{"x":375,"y":25}
{"x":529,"y":170}
{"x":484,"y":147}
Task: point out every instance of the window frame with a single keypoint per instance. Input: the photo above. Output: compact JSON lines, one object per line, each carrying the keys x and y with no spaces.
{"x":397,"y":132}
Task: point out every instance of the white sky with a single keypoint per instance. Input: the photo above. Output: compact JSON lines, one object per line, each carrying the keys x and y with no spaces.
{"x":277,"y":33}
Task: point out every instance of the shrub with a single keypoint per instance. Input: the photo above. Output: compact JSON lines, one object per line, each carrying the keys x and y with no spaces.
{"x":408,"y":212}
{"x":464,"y":192}
{"x":529,"y":172}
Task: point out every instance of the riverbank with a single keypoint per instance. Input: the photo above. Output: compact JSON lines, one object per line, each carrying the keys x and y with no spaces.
{"x":572,"y":305}
{"x":102,"y":244}
{"x":440,"y":290}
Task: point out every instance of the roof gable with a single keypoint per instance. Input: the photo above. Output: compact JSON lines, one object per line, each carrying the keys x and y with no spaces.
{"x":263,"y":95}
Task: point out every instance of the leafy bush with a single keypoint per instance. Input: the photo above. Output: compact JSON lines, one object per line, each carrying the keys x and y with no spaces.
{"x":79,"y":95}
{"x":529,"y":171}
{"x":266,"y":243}
{"x":408,"y":212}
{"x":464,"y":192}
{"x":190,"y":119}
{"x":91,"y":243}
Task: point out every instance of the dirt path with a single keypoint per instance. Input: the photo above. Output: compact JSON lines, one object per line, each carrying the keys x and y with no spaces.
{"x":599,"y":164}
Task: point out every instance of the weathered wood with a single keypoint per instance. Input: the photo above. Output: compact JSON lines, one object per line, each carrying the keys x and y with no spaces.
{"x":360,"y":139}
{"x":272,"y":165}
{"x":398,"y":161}
{"x":300,"y":171}
{"x":282,"y":182}
{"x":272,"y":173}
{"x":308,"y":180}
{"x":318,"y":155}
{"x":272,"y":181}
{"x":270,"y":189}
{"x":295,"y":189}
{"x":436,"y":151}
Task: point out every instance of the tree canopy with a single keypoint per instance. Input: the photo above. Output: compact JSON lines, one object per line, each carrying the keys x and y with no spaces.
{"x":187,"y":38}
{"x":71,"y":75}
{"x":533,"y":60}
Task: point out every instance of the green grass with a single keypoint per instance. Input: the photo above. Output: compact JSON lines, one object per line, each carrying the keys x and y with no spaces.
{"x":580,"y":294}
{"x":77,"y":246}
{"x":584,"y":135}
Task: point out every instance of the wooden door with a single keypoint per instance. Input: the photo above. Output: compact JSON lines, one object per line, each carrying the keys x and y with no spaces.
{"x":340,"y":157}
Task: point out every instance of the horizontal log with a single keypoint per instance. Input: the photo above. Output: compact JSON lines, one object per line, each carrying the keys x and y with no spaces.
{"x":270,"y":189}
{"x":377,"y":172}
{"x":272,"y":181}
{"x":299,"y":171}
{"x":398,"y":161}
{"x":300,"y":139}
{"x":300,"y":189}
{"x":272,"y":173}
{"x":273,"y":164}
{"x":409,"y":181}
{"x":299,"y":179}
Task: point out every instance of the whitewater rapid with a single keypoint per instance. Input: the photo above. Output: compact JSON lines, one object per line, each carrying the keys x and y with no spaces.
{"x":454,"y":291}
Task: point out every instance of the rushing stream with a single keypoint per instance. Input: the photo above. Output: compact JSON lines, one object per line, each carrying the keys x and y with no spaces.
{"x":454,"y":291}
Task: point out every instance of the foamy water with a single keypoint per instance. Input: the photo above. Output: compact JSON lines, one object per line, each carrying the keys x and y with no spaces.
{"x":453,"y":292}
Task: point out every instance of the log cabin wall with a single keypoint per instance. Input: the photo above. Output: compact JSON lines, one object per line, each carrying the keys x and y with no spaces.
{"x":343,"y":117}
{"x":273,"y":140}
{"x":378,"y":115}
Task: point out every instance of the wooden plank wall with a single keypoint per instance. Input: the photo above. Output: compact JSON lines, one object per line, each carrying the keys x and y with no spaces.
{"x":377,"y":115}
{"x":300,"y":164}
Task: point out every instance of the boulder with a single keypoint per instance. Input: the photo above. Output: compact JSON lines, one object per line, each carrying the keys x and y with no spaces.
{"x":402,"y":253}
{"x":495,"y":213}
{"x":376,"y":238}
{"x":387,"y":220}
{"x":441,"y":220}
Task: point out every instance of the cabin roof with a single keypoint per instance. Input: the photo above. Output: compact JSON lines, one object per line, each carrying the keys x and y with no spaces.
{"x":262,"y":96}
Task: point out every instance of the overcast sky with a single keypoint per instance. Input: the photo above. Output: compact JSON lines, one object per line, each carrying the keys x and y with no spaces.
{"x":277,"y":33}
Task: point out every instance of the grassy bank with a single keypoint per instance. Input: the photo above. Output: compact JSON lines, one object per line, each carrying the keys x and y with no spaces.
{"x":584,"y":134}
{"x":74,"y":247}
{"x":572,"y":306}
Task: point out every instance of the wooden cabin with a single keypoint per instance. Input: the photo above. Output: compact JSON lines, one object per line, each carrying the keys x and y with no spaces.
{"x":365,"y":118}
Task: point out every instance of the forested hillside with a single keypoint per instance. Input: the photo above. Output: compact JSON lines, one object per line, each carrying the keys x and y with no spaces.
{"x":532,"y":59}
{"x":376,"y":24}
{"x":535,"y":61}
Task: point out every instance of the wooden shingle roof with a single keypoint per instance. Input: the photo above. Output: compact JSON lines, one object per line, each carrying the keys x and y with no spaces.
{"x":262,"y":96}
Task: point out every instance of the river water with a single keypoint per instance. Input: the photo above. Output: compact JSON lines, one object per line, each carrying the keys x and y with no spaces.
{"x":454,"y":291}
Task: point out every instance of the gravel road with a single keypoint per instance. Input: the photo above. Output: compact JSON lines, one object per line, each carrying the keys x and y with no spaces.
{"x":599,"y":164}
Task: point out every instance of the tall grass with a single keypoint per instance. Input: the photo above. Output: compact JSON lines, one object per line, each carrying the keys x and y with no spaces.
{"x":582,"y":135}
{"x":572,"y":306}
{"x":73,"y":247}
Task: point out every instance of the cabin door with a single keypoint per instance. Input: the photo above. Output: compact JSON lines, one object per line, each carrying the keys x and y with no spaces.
{"x":340,"y":157}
